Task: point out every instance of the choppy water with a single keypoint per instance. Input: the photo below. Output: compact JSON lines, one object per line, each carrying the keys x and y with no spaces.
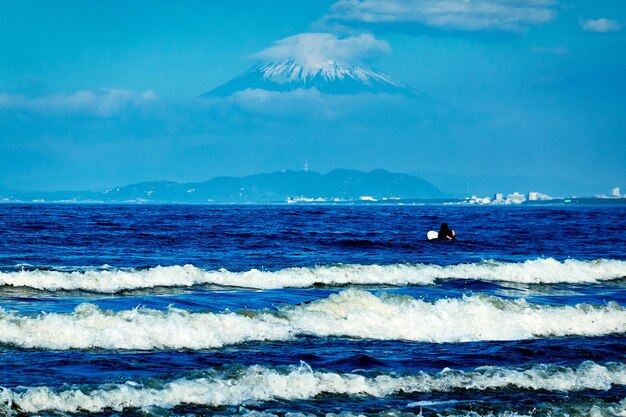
{"x":314,"y":310}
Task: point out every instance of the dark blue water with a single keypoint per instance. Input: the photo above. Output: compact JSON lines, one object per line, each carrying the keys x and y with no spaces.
{"x":534,"y":318}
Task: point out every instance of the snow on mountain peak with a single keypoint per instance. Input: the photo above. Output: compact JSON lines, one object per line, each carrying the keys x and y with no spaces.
{"x":290,"y":71}
{"x":329,"y":77}
{"x":320,"y":61}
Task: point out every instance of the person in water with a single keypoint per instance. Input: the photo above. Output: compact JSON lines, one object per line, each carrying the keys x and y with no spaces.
{"x":445,"y":233}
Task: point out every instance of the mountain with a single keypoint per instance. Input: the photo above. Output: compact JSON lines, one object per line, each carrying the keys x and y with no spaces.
{"x":329,"y":77}
{"x":278,"y":186}
{"x":341,"y":184}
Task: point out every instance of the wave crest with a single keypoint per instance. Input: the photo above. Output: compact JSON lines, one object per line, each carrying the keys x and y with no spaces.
{"x":350,"y":313}
{"x":258,"y":383}
{"x":538,"y":271}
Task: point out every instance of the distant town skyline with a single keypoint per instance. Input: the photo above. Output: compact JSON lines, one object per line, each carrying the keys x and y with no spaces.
{"x":104,"y":95}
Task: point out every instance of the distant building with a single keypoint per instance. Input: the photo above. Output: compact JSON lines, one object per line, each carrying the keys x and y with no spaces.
{"x":293,"y":200}
{"x":477,"y":200}
{"x":515,"y":198}
{"x":535,"y":196}
{"x":367,"y":198}
{"x":615,"y":192}
{"x":498,"y":198}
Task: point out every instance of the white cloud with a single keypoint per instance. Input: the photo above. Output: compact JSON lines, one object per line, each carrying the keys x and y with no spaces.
{"x":467,"y":15}
{"x":314,"y":49}
{"x":281,"y":103}
{"x":302,"y":103}
{"x":99,"y":103}
{"x":601,"y":25}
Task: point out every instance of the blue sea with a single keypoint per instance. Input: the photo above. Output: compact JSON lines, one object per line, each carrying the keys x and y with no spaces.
{"x":302,"y":310}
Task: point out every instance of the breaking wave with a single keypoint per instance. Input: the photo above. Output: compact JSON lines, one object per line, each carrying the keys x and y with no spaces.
{"x":236,"y":386}
{"x":350,"y":313}
{"x":538,"y":271}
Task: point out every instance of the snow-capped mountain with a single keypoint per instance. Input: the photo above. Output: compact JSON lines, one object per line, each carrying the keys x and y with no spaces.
{"x":329,"y":77}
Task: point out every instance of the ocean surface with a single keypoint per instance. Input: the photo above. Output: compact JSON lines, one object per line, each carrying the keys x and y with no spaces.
{"x":141,"y":310}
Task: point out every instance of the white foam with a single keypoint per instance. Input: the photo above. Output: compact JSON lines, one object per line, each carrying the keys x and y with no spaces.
{"x":532,"y":272}
{"x":90,"y":327}
{"x":257,"y":383}
{"x":350,"y":313}
{"x":356,"y":313}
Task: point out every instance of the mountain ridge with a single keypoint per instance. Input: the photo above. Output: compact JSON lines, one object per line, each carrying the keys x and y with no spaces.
{"x":279,"y":186}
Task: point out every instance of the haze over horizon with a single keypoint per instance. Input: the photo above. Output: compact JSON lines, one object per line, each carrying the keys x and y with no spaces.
{"x":105,"y":95}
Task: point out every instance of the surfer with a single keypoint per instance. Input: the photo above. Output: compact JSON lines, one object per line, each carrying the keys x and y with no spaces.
{"x":445,"y":233}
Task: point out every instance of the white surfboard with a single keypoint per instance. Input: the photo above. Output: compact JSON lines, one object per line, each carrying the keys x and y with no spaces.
{"x":432,"y":235}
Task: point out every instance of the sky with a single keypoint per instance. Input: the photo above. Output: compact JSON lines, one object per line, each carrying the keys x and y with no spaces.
{"x":99,"y":94}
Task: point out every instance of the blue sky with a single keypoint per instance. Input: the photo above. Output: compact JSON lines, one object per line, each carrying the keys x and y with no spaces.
{"x":99,"y":94}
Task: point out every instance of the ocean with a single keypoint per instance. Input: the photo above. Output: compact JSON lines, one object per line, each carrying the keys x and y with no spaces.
{"x":293,"y":310}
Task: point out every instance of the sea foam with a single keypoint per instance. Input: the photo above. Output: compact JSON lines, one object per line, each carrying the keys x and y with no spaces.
{"x":258,"y":383}
{"x":350,"y":313}
{"x":538,"y":271}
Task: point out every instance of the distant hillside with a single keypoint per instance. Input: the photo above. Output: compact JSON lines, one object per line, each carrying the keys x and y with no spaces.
{"x":273,"y":187}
